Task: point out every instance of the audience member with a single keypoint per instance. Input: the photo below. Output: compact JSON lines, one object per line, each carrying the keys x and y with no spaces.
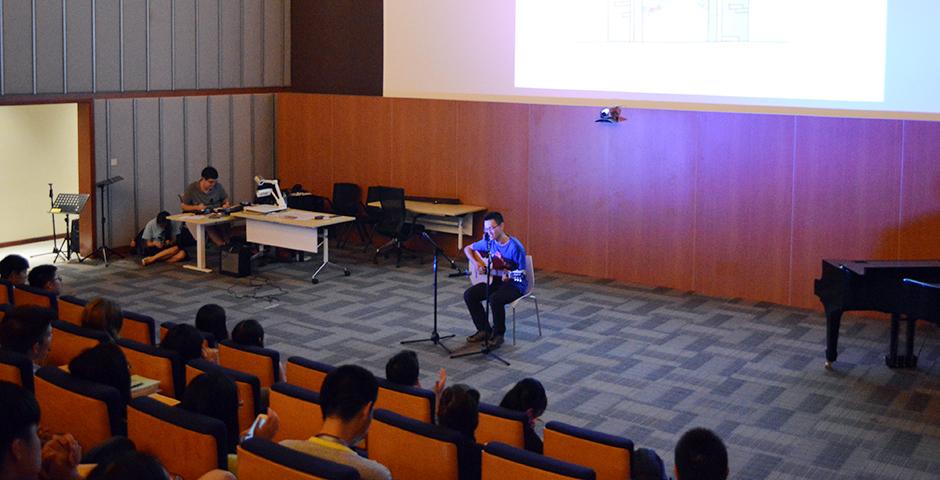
{"x":403,"y":369}
{"x":105,"y":364}
{"x":346,"y":399}
{"x":141,"y":466}
{"x":459,"y":410}
{"x":248,"y":333}
{"x":13,"y":268}
{"x":647,"y":465}
{"x":46,"y":277}
{"x":22,"y":455}
{"x":701,"y":455}
{"x":186,"y":341}
{"x":105,"y":315}
{"x":211,"y":319}
{"x":27,"y":330}
{"x":215,"y":395}
{"x":160,"y":240}
{"x":528,"y":396}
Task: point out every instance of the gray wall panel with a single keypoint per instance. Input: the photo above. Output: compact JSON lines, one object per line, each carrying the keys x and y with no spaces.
{"x":121,"y":148}
{"x":263,"y":134}
{"x":252,"y":38}
{"x":107,"y":45}
{"x":17,"y":47}
{"x":231,"y":40}
{"x":207,"y":43}
{"x":273,"y":42}
{"x":147,"y":140}
{"x":242,"y":152}
{"x":196,"y":136}
{"x":184,"y":44}
{"x":161,"y":45}
{"x":78,"y":53}
{"x":172,"y":151}
{"x":135,"y":45}
{"x":100,"y":111}
{"x":50,"y":59}
{"x":220,"y":149}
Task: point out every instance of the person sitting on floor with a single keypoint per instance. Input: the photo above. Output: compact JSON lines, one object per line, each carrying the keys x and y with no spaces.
{"x":159,"y":240}
{"x":105,"y":315}
{"x":460,"y":411}
{"x":46,"y":277}
{"x":701,"y":455}
{"x":211,"y":319}
{"x":528,"y":396}
{"x":14,"y":269}
{"x":27,"y":330}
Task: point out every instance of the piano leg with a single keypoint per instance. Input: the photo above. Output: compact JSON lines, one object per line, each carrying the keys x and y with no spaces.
{"x":908,"y":360}
{"x":892,"y":359}
{"x":833,"y":320}
{"x":911,"y":360}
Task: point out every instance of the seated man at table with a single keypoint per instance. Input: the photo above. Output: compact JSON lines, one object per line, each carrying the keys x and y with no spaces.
{"x":207,"y":193}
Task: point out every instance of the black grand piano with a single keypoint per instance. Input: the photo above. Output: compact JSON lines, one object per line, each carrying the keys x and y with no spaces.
{"x":902,"y":288}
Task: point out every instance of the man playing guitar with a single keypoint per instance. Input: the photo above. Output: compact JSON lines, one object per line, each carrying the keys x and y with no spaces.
{"x":508,"y":280}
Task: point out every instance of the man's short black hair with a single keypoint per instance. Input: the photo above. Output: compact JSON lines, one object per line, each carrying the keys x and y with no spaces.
{"x":18,"y":411}
{"x":162,"y":218}
{"x":106,"y":364}
{"x":249,"y":333}
{"x":40,"y":275}
{"x":209,"y":173}
{"x":346,"y":390}
{"x":403,"y":368}
{"x":130,"y":465}
{"x":211,"y":319}
{"x":701,"y":455}
{"x":24,"y":327}
{"x":494,"y":216}
{"x":11,"y":264}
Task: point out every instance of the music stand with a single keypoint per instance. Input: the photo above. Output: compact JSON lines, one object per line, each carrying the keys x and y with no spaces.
{"x":104,"y":249}
{"x":68,"y":204}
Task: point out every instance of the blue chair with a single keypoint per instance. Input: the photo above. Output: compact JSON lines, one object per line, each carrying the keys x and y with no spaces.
{"x":498,"y":424}
{"x":6,"y":293}
{"x":91,"y":412}
{"x":260,"y":459}
{"x":417,"y":403}
{"x":414,"y":449}
{"x":500,"y":461}
{"x":138,"y":327}
{"x":69,"y":340}
{"x":307,"y":373}
{"x":26,"y":295}
{"x":610,"y":456}
{"x":299,"y":410}
{"x":263,"y":363}
{"x":249,"y":388}
{"x":156,"y":363}
{"x":16,"y":368}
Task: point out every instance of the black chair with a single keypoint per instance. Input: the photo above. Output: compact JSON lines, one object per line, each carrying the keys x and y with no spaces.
{"x":373,"y":213}
{"x":394,"y":223}
{"x":347,"y":201}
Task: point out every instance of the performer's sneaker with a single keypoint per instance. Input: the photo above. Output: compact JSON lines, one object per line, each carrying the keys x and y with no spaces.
{"x":496,"y":341}
{"x":476,"y":337}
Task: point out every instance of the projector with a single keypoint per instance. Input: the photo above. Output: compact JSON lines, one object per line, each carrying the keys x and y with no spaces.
{"x":610,"y":115}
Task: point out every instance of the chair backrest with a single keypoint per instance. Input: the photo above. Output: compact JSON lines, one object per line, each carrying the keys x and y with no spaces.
{"x":6,"y":292}
{"x":26,"y":295}
{"x":306,"y":373}
{"x":610,"y":456}
{"x":500,"y":461}
{"x":16,"y":368}
{"x":413,"y":402}
{"x":156,"y":363}
{"x":393,"y":209}
{"x":498,"y":424}
{"x":249,"y":389}
{"x":529,"y":274}
{"x":346,"y":199}
{"x":138,"y":327}
{"x":263,"y":363}
{"x":71,"y":309}
{"x":90,"y":411}
{"x":188,"y":444}
{"x":260,"y":459}
{"x":299,"y":410}
{"x":412,"y":449}
{"x":208,"y":340}
{"x":69,"y":340}
{"x":4,"y":308}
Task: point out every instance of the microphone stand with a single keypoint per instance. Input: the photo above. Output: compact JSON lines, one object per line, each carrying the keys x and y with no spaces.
{"x":486,"y":349}
{"x":435,"y":338}
{"x":55,"y":247}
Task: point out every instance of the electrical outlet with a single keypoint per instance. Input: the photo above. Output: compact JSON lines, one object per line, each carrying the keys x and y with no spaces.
{"x":113,"y":162}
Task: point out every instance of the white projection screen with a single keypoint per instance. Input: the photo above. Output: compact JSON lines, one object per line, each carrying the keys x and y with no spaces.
{"x":872,"y":58}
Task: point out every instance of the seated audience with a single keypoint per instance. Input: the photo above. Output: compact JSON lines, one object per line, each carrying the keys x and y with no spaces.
{"x":528,"y":396}
{"x":141,"y":466}
{"x":248,"y":333}
{"x":13,"y":268}
{"x":215,"y":395}
{"x":701,"y":455}
{"x":28,"y":331}
{"x":211,"y":319}
{"x":105,"y":315}
{"x":159,"y":240}
{"x":403,"y":369}
{"x":186,"y":341}
{"x":22,"y":453}
{"x":647,"y":465}
{"x":459,"y":410}
{"x":46,"y":277}
{"x":346,"y":400}
{"x":104,"y":364}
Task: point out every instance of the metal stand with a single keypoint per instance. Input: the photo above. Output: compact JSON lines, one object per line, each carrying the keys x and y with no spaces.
{"x":326,"y":259}
{"x":55,"y":248}
{"x":486,"y":349}
{"x":435,"y":338}
{"x":103,"y":251}
{"x":67,"y":244}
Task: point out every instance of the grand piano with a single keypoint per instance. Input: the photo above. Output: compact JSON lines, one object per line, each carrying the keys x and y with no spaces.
{"x":879,"y":285}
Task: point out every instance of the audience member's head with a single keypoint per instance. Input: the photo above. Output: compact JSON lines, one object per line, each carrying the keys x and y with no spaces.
{"x":216,"y":396}
{"x":211,"y":319}
{"x":526,"y":396}
{"x":403,"y":369}
{"x":460,"y":409}
{"x":14,"y":268}
{"x":248,"y":333}
{"x":185,"y":340}
{"x":46,"y":277}
{"x":347,"y":397}
{"x":105,"y":315}
{"x":210,"y":177}
{"x":105,"y":364}
{"x":163,"y":219}
{"x":28,"y":330}
{"x":701,"y":455}
{"x":130,"y":466}
{"x":20,"y":448}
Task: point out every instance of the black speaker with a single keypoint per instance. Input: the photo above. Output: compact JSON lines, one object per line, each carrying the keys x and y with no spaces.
{"x":74,"y":244}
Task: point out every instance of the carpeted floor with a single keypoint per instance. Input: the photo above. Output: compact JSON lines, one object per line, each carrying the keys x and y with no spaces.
{"x":645,"y":363}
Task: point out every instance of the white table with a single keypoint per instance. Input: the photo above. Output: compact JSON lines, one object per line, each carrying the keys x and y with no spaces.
{"x":442,"y":217}
{"x":201,"y":221}
{"x":295,"y":229}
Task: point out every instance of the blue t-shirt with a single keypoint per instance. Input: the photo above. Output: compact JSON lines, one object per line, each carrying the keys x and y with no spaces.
{"x":511,"y":250}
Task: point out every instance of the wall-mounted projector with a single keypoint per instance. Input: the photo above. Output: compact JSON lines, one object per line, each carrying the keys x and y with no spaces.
{"x":610,"y":115}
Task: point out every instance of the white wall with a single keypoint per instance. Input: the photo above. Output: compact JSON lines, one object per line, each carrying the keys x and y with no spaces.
{"x":38,"y":146}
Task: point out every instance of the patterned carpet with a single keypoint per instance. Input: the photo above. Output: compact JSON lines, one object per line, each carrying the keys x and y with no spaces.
{"x":645,"y":363}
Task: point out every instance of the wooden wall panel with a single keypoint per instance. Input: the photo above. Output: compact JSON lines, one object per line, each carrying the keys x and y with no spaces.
{"x":86,"y":176}
{"x":846,"y":195}
{"x":424,"y":143}
{"x":920,"y":191}
{"x":49,"y":54}
{"x":652,"y":179}
{"x":306,"y":158}
{"x":362,"y":141}
{"x":744,"y":185}
{"x":568,"y":196}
